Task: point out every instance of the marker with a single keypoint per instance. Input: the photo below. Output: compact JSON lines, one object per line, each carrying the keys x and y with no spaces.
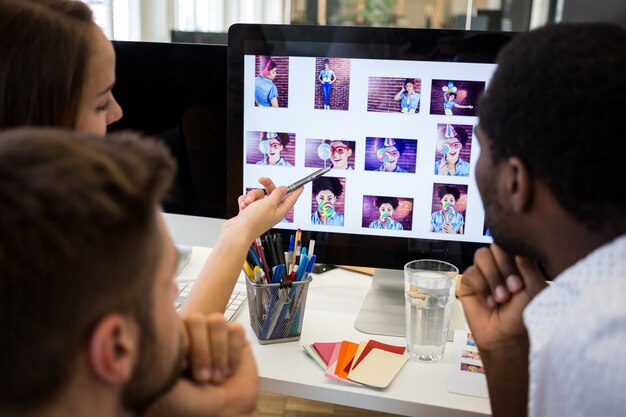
{"x":311,"y":246}
{"x":308,"y":178}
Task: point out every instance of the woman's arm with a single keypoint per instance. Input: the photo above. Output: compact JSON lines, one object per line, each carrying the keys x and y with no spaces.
{"x":398,"y":95}
{"x":221,"y":270}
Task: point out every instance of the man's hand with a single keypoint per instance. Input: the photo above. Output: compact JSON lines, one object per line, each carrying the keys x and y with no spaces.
{"x":494,"y":293}
{"x":223,"y":378}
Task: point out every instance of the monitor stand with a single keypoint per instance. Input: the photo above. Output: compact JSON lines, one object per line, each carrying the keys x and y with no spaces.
{"x":382,"y":311}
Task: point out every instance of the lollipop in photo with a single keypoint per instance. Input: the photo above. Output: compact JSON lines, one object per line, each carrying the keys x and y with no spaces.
{"x":386,"y":220}
{"x":264,"y":145}
{"x":326,"y":209}
{"x":450,"y":88}
{"x":324,"y":152}
{"x":447,"y":208}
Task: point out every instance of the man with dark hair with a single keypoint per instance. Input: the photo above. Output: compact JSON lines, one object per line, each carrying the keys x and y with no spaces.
{"x":87,"y":290}
{"x":386,"y":207}
{"x":326,"y":191}
{"x":552,"y":207}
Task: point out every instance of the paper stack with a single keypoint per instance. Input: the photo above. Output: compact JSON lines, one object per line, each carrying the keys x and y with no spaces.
{"x":370,"y":363}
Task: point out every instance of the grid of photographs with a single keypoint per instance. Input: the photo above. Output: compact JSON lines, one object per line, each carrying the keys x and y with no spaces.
{"x":392,"y":174}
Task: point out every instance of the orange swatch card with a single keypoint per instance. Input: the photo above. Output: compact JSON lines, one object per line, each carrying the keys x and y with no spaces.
{"x":344,"y":360}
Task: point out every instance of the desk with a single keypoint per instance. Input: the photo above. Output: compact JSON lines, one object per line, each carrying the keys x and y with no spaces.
{"x":333,"y":301}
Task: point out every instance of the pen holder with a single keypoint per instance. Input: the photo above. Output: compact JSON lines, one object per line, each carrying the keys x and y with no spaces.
{"x":277,"y":310}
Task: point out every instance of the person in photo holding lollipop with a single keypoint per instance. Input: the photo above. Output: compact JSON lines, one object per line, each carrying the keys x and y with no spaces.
{"x":386,"y":207}
{"x":447,"y":220}
{"x":327,"y":190}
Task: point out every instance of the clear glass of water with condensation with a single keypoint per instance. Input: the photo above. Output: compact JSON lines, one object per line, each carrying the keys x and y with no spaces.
{"x":429,"y":291}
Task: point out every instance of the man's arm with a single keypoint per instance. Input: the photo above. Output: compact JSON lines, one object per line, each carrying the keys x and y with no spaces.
{"x":494,"y":293}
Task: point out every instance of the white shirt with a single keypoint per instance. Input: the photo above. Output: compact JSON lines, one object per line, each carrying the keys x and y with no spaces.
{"x":577,"y":331}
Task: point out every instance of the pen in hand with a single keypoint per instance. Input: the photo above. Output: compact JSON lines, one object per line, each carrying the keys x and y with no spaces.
{"x":307,"y":179}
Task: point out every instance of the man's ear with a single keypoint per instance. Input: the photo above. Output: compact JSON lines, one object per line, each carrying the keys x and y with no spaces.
{"x":519,"y":184}
{"x":113,"y":348}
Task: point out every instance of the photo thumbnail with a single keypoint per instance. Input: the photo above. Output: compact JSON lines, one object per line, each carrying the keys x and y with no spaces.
{"x":455,"y":98}
{"x":328,"y":201}
{"x":338,"y":153}
{"x":390,"y":154}
{"x":270,"y":148}
{"x":394,"y":95}
{"x":271,"y":82}
{"x":391,"y":213}
{"x":453,"y":150}
{"x":332,"y":83}
{"x":448,"y":208}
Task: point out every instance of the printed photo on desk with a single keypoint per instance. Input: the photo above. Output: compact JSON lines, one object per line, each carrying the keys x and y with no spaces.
{"x":389,"y":213}
{"x":448,"y":208}
{"x":338,"y":153}
{"x":390,"y":154}
{"x":332,"y":80}
{"x":328,"y":201}
{"x":453,"y":150}
{"x":271,"y":148}
{"x":271,"y":82}
{"x":394,"y":95}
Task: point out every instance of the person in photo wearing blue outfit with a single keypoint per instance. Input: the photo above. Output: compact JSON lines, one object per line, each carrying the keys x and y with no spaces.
{"x":386,"y":207}
{"x":389,"y":151}
{"x":327,"y":77}
{"x":407,"y":96}
{"x":326,"y":191}
{"x":272,"y":146}
{"x":265,"y":91}
{"x":451,"y":163}
{"x":449,"y":103}
{"x":446,"y":219}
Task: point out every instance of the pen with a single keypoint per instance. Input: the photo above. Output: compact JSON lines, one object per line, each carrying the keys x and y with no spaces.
{"x":308,"y":178}
{"x":248,"y":270}
{"x":262,"y":255}
{"x":292,"y":256}
{"x":255,"y":259}
{"x":257,"y":275}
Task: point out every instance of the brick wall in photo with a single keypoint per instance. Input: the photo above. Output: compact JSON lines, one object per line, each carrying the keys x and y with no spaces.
{"x":253,"y":153}
{"x":466,"y":151}
{"x":461,"y":203}
{"x":382,"y":90}
{"x":339,"y":204}
{"x":402,"y":214}
{"x":406,"y":161}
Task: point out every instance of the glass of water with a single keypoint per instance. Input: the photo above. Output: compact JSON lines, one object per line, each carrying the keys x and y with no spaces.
{"x":429,"y":291}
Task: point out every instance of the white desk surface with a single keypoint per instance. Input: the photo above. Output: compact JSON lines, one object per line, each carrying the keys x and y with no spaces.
{"x":333,"y":301}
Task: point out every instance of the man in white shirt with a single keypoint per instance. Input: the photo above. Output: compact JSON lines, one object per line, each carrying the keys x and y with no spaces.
{"x":555,"y":205}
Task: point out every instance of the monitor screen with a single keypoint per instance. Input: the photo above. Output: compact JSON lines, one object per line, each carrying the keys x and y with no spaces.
{"x":393,"y":111}
{"x":177,"y":94}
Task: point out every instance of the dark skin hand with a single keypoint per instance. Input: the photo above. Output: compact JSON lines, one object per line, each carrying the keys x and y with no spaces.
{"x":494,"y":293}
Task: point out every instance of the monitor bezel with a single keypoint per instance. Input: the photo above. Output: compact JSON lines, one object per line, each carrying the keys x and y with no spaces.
{"x":379,"y":43}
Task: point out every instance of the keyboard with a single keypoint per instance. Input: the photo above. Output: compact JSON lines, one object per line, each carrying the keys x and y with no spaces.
{"x":233,"y":308}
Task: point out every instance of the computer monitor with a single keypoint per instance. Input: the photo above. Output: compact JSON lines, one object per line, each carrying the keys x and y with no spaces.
{"x":393,"y":111}
{"x":177,"y":93}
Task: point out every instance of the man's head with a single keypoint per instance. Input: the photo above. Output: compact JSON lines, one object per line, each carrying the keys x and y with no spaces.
{"x":547,"y":115}
{"x":85,"y":270}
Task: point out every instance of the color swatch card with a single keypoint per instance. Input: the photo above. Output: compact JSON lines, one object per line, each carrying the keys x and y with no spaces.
{"x":369,"y":363}
{"x":467,"y":376}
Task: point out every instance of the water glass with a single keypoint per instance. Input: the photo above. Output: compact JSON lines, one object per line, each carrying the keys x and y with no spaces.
{"x":429,"y":291}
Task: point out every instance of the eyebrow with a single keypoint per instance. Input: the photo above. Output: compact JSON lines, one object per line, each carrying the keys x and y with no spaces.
{"x":106,"y":90}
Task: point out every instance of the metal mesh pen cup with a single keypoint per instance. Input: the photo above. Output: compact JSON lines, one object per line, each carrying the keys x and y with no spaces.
{"x":277,"y":310}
